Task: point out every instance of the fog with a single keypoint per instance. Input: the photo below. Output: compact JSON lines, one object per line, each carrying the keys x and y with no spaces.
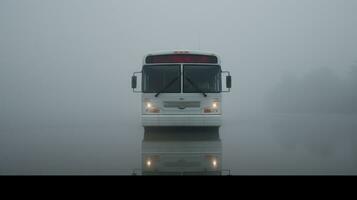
{"x":66,"y":105}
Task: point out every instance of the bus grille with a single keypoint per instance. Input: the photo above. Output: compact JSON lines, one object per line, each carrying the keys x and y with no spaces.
{"x":182,"y":104}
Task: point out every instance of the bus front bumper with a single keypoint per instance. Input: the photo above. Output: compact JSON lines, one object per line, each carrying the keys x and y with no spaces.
{"x":182,"y":120}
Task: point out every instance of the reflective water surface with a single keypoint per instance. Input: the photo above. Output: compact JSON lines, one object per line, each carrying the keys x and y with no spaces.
{"x":259,"y":144}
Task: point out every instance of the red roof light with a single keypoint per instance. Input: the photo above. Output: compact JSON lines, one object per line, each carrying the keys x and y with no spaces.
{"x":181,"y":58}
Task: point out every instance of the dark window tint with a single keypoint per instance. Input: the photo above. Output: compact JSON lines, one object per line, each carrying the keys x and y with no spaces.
{"x":202,"y":78}
{"x":162,"y":77}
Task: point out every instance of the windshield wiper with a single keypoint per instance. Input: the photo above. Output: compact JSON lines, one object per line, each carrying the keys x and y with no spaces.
{"x":167,"y":86}
{"x":196,"y":87}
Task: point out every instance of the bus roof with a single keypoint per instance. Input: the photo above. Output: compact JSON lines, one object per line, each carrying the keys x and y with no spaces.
{"x":181,"y":56}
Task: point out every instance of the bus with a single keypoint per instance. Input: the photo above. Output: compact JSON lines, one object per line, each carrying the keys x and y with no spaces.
{"x":181,"y":89}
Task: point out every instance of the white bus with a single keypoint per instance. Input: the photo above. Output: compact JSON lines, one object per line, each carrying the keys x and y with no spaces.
{"x":181,"y":89}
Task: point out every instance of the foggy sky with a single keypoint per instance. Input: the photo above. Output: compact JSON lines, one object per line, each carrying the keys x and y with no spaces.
{"x":65,"y":68}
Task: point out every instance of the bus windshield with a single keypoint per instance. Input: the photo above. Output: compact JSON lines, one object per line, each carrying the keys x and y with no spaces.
{"x":161,"y":79}
{"x":202,"y":79}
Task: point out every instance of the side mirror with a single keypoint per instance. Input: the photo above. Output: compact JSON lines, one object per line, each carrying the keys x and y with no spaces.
{"x":133,"y":82}
{"x":229,"y":81}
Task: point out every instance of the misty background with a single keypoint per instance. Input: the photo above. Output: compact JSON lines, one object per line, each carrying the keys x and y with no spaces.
{"x":66,"y":105}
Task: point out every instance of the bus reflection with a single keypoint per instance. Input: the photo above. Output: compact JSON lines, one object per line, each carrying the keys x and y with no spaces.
{"x":181,"y":151}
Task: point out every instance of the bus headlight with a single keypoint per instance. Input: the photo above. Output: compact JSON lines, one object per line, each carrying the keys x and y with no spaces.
{"x":214,"y":163}
{"x":213,"y":108}
{"x":148,"y":105}
{"x":148,"y":163}
{"x":215,"y":105}
{"x":151,"y":108}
